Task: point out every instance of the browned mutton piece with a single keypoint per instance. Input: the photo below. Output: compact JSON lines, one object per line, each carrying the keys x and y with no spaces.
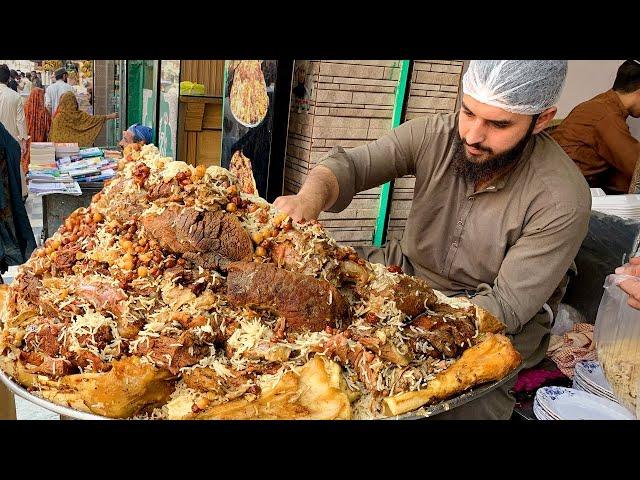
{"x":449,"y":336}
{"x":412,"y":295}
{"x":209,"y":239}
{"x":305,"y":302}
{"x":175,"y":352}
{"x":366,"y":364}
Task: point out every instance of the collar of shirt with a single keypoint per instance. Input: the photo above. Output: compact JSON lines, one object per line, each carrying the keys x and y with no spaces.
{"x":615,"y":100}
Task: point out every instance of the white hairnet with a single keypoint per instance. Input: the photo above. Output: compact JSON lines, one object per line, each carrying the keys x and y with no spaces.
{"x":518,"y":86}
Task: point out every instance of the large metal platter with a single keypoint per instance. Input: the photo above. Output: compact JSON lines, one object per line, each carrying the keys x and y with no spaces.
{"x":420,"y":414}
{"x":46,"y":404}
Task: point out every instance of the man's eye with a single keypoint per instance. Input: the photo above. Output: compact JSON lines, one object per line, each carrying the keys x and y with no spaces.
{"x":500,"y":125}
{"x":468,"y":113}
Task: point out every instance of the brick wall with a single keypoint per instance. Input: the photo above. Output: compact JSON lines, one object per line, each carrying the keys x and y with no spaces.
{"x":352,"y":104}
{"x":434,"y":88}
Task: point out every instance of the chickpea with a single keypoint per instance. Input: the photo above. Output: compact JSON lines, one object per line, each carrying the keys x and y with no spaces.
{"x":53,"y":255}
{"x":257,"y":238}
{"x":126,"y":244}
{"x":68,"y":224}
{"x":252,"y":208}
{"x":145,"y":258}
{"x":41,"y":253}
{"x":64,"y":293}
{"x":199,"y":171}
{"x":231,"y":207}
{"x":55,"y":244}
{"x":232,"y":190}
{"x":79,"y":255}
{"x":261,"y":252}
{"x":142,"y":242}
{"x":97,"y":217}
{"x":142,"y":272}
{"x":278,"y":219}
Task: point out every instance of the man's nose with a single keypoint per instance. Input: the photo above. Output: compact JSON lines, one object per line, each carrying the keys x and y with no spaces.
{"x":476,"y":134}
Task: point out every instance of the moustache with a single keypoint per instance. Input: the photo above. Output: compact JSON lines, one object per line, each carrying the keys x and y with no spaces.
{"x":477,"y":146}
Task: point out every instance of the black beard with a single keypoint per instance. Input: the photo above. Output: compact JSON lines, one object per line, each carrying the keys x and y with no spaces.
{"x":482,"y":171}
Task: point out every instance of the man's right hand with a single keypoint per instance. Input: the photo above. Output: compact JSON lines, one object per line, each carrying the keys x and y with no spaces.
{"x":631,"y":286}
{"x":300,"y":208}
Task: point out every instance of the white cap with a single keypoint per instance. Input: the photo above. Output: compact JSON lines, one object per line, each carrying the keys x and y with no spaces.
{"x":517,"y":86}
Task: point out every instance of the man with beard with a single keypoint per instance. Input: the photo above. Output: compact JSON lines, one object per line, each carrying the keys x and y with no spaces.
{"x":499,"y":210}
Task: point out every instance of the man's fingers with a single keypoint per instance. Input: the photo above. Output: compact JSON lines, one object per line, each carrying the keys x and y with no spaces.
{"x":634,"y":303}
{"x":631,"y":286}
{"x":628,"y":270}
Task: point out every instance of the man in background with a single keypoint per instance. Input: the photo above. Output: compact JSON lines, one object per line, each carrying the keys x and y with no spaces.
{"x":12,"y":116}
{"x":54,"y":92}
{"x":596,"y":135}
{"x":35,"y":79}
{"x":136,"y":133}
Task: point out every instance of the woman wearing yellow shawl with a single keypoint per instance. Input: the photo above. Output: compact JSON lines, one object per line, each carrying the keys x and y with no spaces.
{"x":71,"y":125}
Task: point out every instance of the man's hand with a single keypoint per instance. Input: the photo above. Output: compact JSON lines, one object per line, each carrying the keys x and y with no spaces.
{"x":112,"y":116}
{"x":631,"y":286}
{"x":299,"y":207}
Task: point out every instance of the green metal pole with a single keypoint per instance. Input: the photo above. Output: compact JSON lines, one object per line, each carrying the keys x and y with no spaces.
{"x":380,"y":232}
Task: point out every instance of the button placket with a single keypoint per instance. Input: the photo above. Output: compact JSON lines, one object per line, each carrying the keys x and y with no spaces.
{"x":457,"y":235}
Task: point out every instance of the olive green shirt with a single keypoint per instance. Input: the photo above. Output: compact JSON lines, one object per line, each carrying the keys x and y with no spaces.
{"x":508,"y":245}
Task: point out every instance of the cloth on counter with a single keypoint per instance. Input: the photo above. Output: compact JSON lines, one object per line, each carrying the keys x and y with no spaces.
{"x":531,"y":379}
{"x":572,"y":347}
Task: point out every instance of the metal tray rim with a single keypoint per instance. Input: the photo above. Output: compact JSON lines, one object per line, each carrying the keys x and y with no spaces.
{"x":425,"y":412}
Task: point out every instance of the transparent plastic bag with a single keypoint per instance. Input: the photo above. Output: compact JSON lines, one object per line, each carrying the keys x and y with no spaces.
{"x":617,"y":337}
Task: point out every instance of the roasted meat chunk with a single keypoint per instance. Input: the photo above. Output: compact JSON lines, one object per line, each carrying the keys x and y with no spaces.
{"x":305,"y":302}
{"x":208,"y":239}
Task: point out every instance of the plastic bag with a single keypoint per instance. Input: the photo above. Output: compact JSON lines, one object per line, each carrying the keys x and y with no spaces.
{"x":617,"y":337}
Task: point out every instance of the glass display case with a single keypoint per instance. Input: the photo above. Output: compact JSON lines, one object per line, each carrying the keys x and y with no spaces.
{"x":168,"y":107}
{"x":255,"y":120}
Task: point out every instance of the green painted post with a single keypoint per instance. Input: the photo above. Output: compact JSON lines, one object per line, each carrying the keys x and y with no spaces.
{"x":380,"y":232}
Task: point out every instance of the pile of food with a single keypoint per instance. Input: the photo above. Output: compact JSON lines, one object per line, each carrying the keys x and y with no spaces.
{"x":240,"y":167}
{"x":248,"y":97}
{"x":174,"y":295}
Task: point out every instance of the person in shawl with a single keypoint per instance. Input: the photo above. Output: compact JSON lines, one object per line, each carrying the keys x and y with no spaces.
{"x":72,"y":125}
{"x":38,"y":122}
{"x":16,"y":236}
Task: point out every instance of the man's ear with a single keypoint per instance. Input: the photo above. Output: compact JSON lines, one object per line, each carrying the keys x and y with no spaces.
{"x":544,"y":118}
